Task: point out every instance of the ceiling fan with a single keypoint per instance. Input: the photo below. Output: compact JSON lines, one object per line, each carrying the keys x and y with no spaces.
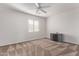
{"x":40,"y":8}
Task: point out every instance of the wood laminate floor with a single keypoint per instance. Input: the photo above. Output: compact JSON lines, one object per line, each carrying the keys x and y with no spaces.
{"x":40,"y":47}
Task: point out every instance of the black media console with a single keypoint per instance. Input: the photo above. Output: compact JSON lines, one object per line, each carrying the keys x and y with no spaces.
{"x":56,"y":37}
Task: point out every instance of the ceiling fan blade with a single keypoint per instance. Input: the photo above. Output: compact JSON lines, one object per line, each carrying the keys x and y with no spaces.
{"x":36,"y":4}
{"x":39,"y":4}
{"x":45,"y":6}
{"x":43,"y":10}
{"x":37,"y":10}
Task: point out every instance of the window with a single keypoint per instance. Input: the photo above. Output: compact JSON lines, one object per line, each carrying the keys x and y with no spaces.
{"x":30,"y":25}
{"x":36,"y":26}
{"x":33,"y":25}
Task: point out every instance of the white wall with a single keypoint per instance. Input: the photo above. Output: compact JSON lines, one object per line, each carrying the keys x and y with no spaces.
{"x":14,"y":27}
{"x":66,"y":21}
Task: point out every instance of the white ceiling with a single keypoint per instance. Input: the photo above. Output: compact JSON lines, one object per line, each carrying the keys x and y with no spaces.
{"x":31,"y":8}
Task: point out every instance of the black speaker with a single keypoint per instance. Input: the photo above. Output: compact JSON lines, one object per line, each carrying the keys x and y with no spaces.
{"x":56,"y":37}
